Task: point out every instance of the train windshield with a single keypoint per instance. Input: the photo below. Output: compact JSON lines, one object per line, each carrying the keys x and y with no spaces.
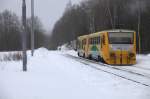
{"x":120,"y":38}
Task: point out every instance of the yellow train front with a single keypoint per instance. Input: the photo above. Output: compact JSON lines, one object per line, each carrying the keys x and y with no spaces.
{"x":115,"y":47}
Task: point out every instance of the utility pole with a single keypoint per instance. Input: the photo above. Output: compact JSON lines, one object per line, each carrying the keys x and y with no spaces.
{"x":32,"y":27}
{"x":139,"y":24}
{"x":91,"y":21}
{"x":114,"y":16}
{"x":110,"y":15}
{"x":24,"y":35}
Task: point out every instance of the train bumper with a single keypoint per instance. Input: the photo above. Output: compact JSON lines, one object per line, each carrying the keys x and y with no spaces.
{"x":122,"y":58}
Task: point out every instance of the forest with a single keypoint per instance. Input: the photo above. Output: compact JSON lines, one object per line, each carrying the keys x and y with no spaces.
{"x":11,"y":31}
{"x":96,"y":15}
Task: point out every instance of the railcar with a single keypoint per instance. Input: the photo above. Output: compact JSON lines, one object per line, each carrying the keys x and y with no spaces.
{"x":115,"y":47}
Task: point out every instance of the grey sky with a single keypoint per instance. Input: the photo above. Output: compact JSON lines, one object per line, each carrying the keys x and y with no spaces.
{"x":49,"y":11}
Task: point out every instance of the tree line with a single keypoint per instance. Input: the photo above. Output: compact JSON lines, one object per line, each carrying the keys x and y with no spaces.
{"x":11,"y":29}
{"x":96,"y":15}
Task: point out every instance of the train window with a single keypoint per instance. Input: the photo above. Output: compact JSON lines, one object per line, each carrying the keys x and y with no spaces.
{"x":98,"y":40}
{"x":84,"y":41}
{"x":94,"y":41}
{"x":121,"y":38}
{"x":91,"y":41}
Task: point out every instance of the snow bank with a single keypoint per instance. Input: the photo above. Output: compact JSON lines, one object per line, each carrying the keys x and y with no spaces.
{"x":72,"y":52}
{"x":63,"y":48}
{"x":41,"y":52}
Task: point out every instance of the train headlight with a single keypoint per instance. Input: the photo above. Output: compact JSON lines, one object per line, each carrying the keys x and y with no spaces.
{"x":131,"y":54}
{"x":112,"y":54}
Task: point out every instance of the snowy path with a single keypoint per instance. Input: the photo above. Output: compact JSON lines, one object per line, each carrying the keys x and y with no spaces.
{"x":53,"y":76}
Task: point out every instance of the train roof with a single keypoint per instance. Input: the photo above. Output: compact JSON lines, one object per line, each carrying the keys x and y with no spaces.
{"x":84,"y":36}
{"x":112,"y":30}
{"x":118,"y":30}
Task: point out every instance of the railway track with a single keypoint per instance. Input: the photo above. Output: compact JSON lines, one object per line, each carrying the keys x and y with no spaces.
{"x":148,"y":69}
{"x":119,"y":71}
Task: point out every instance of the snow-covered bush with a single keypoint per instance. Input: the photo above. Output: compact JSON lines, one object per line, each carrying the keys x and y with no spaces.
{"x":11,"y":56}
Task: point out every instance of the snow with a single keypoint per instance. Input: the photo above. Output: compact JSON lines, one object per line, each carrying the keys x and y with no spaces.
{"x":64,"y":47}
{"x":52,"y":75}
{"x":143,"y":60}
{"x":71,"y":52}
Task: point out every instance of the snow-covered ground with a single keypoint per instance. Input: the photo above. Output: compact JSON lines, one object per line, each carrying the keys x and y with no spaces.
{"x":51,"y":75}
{"x":143,"y":60}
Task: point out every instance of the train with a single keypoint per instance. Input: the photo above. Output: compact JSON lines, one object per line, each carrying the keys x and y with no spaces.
{"x":114,"y":47}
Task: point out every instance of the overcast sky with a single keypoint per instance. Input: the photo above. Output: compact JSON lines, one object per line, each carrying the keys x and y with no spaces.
{"x":49,"y":11}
